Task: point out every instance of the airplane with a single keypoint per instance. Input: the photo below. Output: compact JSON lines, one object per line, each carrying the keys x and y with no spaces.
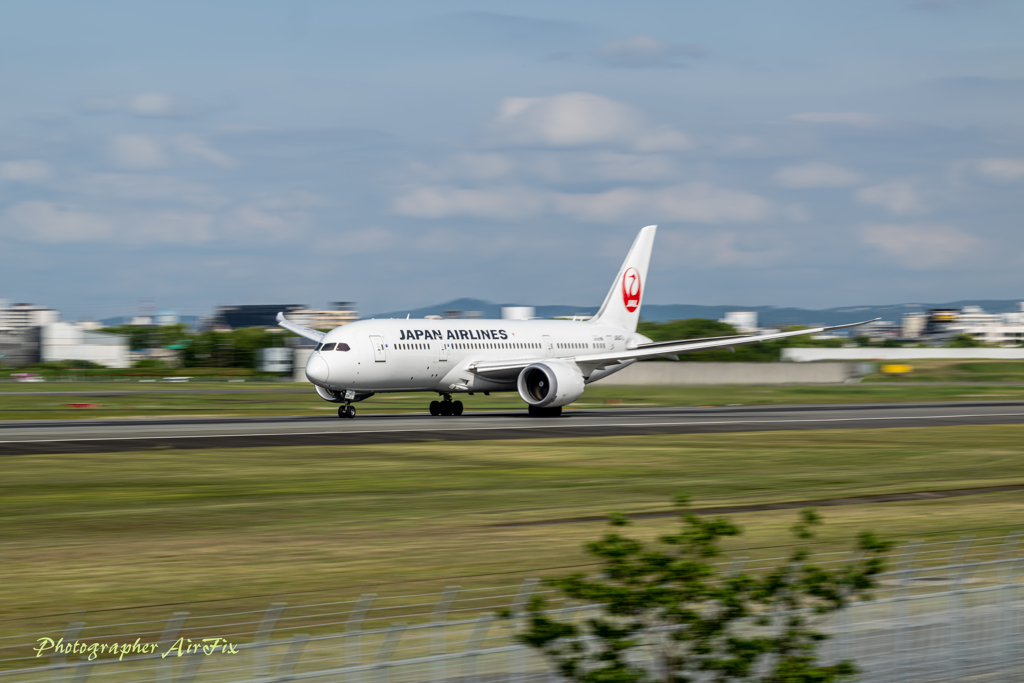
{"x":549,"y":362}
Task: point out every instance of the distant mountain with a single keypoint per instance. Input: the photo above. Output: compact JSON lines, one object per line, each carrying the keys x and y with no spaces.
{"x":766,"y":315}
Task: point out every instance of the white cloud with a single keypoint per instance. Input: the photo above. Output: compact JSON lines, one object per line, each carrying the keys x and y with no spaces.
{"x":192,"y":145}
{"x":898,"y":197}
{"x":1001,"y":170}
{"x":136,"y":151}
{"x":152,"y":104}
{"x":363,"y":241}
{"x":816,"y":174}
{"x":694,"y":202}
{"x":726,"y":248}
{"x":644,"y":51}
{"x":505,"y":203}
{"x":920,"y":246}
{"x":25,"y":171}
{"x":145,"y":187}
{"x":49,"y":223}
{"x":578,"y":119}
{"x":145,"y":105}
{"x":848,"y":118}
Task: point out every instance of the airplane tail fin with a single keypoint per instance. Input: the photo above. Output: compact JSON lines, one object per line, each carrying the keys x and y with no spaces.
{"x":622,"y":305}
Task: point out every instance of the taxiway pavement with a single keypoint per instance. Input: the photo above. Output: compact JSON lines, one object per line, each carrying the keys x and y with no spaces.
{"x":98,"y":436}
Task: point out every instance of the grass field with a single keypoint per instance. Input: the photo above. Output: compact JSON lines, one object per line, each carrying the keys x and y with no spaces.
{"x":295,"y":399}
{"x":164,"y":527}
{"x":955,"y":371}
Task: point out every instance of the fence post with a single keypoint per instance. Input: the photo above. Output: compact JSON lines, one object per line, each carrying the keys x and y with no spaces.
{"x":387,"y":648}
{"x":905,"y":578}
{"x":353,"y":635}
{"x":291,"y":657}
{"x":471,"y":665}
{"x":59,"y":658}
{"x":438,"y":630}
{"x":191,"y":667}
{"x":261,"y":640}
{"x":956,"y":598}
{"x":82,"y":672}
{"x":517,"y":657}
{"x":167,"y":638}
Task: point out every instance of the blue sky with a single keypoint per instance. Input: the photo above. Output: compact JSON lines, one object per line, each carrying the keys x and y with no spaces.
{"x":804,"y":153}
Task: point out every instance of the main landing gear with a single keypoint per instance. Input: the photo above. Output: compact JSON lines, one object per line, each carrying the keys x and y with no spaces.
{"x":446,"y":406}
{"x":348,"y":410}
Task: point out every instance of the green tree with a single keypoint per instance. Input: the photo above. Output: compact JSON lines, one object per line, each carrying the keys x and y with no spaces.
{"x":964,"y":341}
{"x":671,"y":600}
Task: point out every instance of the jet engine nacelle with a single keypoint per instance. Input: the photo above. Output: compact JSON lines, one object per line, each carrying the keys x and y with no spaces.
{"x":550,"y":385}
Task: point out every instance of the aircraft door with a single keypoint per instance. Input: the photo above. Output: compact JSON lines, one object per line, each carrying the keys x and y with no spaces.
{"x":379,"y":351}
{"x":442,"y":353}
{"x":549,"y":348}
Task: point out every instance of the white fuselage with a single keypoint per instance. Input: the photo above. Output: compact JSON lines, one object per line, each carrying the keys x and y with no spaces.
{"x":437,"y":355}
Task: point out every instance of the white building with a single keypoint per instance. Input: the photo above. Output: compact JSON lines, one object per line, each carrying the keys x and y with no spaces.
{"x":1006,"y":329}
{"x":26,"y":316}
{"x":66,"y":341}
{"x":743,"y":321}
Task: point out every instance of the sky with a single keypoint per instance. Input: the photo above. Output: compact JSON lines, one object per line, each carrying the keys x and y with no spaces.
{"x":811,"y":153}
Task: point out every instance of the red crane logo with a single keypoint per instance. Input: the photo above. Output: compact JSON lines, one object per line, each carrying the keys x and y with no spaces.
{"x":631,"y":289}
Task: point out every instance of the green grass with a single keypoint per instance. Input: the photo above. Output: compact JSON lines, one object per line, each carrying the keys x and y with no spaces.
{"x":954,"y":371}
{"x":100,"y":531}
{"x":282,"y":399}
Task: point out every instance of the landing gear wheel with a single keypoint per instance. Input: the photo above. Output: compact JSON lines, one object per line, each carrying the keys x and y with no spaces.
{"x":446,"y":407}
{"x":457,"y":408}
{"x":347,"y":411}
{"x":435,"y":407}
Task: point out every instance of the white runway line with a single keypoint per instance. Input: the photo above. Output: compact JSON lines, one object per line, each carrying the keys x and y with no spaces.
{"x":538,"y":426}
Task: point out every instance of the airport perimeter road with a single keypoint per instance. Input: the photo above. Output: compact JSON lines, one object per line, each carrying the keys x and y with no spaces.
{"x":96,"y":436}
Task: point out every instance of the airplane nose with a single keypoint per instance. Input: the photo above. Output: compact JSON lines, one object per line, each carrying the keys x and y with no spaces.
{"x":317,"y":370}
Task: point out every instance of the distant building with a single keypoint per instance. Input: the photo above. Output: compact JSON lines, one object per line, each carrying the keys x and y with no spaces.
{"x":463,"y":315}
{"x":881,"y":330}
{"x":913,"y":325}
{"x":26,"y":316}
{"x":743,"y":321}
{"x":276,"y":359}
{"x":65,"y":341}
{"x":259,"y":315}
{"x":167,"y":317}
{"x":343,"y":313}
{"x":518,"y":312}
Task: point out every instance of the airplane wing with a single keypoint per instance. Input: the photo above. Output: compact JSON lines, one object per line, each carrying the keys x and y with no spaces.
{"x":589,"y":363}
{"x":315,"y":335}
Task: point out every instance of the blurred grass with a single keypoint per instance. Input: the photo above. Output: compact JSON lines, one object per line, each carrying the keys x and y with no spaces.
{"x":954,"y":371}
{"x":101,"y":531}
{"x":298,"y":399}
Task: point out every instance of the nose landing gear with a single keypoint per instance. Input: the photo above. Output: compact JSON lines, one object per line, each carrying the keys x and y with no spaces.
{"x":446,"y":406}
{"x":348,"y":410}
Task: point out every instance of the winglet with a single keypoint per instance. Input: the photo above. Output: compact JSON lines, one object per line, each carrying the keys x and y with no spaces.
{"x":839,"y":327}
{"x":315,"y":335}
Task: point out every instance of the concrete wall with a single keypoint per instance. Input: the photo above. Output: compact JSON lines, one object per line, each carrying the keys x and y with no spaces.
{"x":696,"y":373}
{"x":870,"y":353}
{"x":684,"y":372}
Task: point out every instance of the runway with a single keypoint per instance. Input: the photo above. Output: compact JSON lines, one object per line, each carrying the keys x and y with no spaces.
{"x":98,"y":436}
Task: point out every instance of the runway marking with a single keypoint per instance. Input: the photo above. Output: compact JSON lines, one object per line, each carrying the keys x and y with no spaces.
{"x":537,"y":426}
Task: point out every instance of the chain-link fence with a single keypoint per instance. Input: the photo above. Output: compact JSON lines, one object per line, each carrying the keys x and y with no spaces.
{"x":945,"y":612}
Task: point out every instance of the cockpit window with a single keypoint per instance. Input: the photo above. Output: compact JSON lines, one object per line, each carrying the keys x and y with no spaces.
{"x":327,"y":347}
{"x":342,"y":346}
{"x":317,"y":348}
